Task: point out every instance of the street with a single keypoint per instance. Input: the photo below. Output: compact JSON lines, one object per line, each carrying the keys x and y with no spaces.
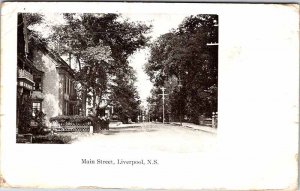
{"x":179,"y":151}
{"x":151,"y":137}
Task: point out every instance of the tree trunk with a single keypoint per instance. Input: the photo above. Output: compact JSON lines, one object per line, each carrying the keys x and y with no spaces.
{"x":83,"y":91}
{"x":99,"y":98}
{"x":79,"y":63}
{"x":94,"y":99}
{"x":83,"y":104}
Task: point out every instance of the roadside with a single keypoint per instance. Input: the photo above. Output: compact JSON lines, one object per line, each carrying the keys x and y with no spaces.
{"x":187,"y":125}
{"x":120,"y":125}
{"x":197,"y":127}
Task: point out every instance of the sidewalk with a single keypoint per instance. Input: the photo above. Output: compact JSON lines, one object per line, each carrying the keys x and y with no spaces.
{"x":120,"y":125}
{"x":197,"y":127}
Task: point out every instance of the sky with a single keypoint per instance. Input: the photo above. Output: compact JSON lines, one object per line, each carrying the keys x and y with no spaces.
{"x":161,"y":24}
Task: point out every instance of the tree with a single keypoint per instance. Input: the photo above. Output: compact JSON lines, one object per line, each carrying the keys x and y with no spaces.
{"x":155,"y":104}
{"x":24,"y":101}
{"x":124,"y":97}
{"x":72,"y":38}
{"x":33,"y":18}
{"x":183,"y":54}
{"x":101,"y":44}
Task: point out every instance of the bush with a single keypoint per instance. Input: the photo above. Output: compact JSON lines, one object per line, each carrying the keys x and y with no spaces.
{"x":100,"y":123}
{"x":52,"y":139}
{"x":40,"y":129}
{"x":78,"y":119}
{"x":24,"y":105}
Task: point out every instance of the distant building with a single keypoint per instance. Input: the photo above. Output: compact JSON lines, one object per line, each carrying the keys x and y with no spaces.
{"x":106,"y":109}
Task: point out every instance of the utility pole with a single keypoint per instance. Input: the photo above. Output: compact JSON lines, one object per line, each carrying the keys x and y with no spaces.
{"x":163,"y":98}
{"x":180,"y":104}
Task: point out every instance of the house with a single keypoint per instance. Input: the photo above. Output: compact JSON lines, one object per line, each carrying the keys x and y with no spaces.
{"x":54,"y":91}
{"x":25,"y":73}
{"x":43,"y":76}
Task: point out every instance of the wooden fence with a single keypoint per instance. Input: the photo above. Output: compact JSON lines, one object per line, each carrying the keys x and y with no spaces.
{"x":212,"y":122}
{"x":72,"y":127}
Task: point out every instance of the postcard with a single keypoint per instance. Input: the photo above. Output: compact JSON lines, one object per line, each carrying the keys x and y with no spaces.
{"x":140,"y":95}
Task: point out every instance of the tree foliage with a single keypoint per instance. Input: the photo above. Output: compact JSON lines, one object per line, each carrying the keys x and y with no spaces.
{"x":184,"y":54}
{"x":33,"y":18}
{"x":124,"y":96}
{"x":101,"y":44}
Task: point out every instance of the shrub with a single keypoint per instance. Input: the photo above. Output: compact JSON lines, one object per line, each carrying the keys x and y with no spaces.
{"x":52,"y":139}
{"x":24,"y":105}
{"x":26,"y":118}
{"x":40,"y":129}
{"x":100,"y":123}
{"x":71,"y":119}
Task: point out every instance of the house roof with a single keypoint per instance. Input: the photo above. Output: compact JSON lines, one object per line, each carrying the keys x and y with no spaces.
{"x":60,"y":63}
{"x":29,"y":63}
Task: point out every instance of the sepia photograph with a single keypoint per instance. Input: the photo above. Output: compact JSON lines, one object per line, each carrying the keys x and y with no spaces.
{"x":84,"y":75}
{"x":149,"y":96}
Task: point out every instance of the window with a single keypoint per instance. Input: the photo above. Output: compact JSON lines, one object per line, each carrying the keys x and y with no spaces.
{"x":36,"y":106}
{"x":38,"y":84}
{"x":69,"y":86}
{"x":66,"y":108}
{"x":66,"y":84}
